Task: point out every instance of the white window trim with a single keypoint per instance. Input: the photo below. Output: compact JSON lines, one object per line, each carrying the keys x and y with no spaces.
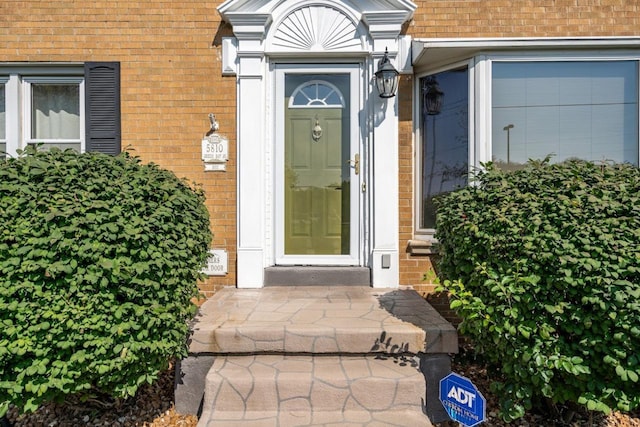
{"x":480,"y":81}
{"x":442,"y":51}
{"x":12,"y":113}
{"x":3,"y":82}
{"x":26,"y":112}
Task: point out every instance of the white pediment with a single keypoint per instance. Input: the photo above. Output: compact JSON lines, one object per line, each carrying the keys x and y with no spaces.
{"x":299,"y":26}
{"x":316,"y":29}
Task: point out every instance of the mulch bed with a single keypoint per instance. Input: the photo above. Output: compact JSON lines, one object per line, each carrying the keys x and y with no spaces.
{"x":466,"y":365}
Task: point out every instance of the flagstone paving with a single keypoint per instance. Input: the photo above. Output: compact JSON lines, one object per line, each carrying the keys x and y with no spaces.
{"x":316,"y":355}
{"x":307,"y":390}
{"x":320,"y":319}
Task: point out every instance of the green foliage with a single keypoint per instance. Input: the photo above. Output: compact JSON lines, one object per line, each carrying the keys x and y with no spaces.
{"x":99,"y":261}
{"x":543,"y":266}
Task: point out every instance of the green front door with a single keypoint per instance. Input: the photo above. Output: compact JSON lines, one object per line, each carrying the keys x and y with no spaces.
{"x":317,"y":214}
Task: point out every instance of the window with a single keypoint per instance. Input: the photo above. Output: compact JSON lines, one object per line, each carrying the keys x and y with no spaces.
{"x":54,"y":112}
{"x":316,"y":94}
{"x":570,"y":109}
{"x":445,"y":138}
{"x":509,"y":108}
{"x":76,"y":107}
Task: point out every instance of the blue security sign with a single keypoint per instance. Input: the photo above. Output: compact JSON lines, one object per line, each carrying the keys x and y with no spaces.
{"x":462,"y":400}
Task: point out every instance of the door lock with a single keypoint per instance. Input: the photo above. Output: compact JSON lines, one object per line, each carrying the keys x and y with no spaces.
{"x":355,"y":163}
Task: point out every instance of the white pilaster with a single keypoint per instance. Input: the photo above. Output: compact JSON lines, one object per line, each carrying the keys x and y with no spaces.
{"x":384,"y":176}
{"x":251,"y":140}
{"x":384,"y":28}
{"x":251,"y":172}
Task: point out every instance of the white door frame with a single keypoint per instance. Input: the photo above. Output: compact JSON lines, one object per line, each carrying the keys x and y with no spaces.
{"x":356,"y":222}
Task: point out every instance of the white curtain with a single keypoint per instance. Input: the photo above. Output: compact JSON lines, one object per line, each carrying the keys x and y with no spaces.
{"x":55,"y":111}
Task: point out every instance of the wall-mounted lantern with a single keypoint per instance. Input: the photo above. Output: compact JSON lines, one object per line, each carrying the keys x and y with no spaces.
{"x":386,"y":77}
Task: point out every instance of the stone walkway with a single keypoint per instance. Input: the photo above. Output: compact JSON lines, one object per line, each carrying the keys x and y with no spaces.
{"x":316,"y":355}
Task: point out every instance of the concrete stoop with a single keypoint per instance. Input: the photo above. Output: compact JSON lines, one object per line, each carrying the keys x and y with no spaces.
{"x":321,"y":355}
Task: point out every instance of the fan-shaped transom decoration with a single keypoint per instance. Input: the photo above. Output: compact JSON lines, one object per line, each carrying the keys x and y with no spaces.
{"x":317,"y":28}
{"x":316,"y":94}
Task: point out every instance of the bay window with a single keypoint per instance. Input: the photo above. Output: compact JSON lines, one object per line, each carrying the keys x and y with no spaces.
{"x":508,"y":109}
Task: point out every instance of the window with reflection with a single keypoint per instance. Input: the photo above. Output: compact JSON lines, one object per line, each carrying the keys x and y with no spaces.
{"x":444,"y":129}
{"x":566,"y":109}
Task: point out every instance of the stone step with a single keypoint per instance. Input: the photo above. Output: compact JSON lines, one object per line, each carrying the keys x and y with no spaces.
{"x":323,"y":419}
{"x":290,"y":390}
{"x":320,"y":319}
{"x":330,"y":355}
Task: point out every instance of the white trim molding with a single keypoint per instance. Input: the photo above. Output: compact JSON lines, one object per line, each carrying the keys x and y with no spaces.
{"x":440,"y":51}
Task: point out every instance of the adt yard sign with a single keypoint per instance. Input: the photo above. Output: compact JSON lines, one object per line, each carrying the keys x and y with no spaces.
{"x":462,"y":400}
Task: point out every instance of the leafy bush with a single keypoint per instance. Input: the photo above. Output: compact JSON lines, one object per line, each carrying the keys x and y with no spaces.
{"x":544,"y":269}
{"x":99,"y":261}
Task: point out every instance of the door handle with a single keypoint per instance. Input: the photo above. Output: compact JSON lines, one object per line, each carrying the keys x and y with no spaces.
{"x":355,"y":163}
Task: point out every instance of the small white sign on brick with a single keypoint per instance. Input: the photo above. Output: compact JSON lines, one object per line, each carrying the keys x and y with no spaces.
{"x":215,"y":148}
{"x":217,"y":264}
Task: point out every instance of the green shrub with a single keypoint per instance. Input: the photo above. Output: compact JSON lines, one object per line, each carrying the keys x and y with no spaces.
{"x":99,"y":261}
{"x":543,"y":266}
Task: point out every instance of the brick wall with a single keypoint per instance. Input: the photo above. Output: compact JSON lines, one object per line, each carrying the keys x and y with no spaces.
{"x":525,"y":18}
{"x":170,"y":73}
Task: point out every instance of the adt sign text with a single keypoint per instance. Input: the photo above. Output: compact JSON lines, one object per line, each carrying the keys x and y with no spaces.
{"x":462,"y":400}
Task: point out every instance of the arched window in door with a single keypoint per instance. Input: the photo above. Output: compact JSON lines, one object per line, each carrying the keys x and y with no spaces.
{"x":316,"y":94}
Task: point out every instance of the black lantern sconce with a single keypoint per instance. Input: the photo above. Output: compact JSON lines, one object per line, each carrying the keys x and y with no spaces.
{"x":433,"y":96}
{"x":386,"y":77}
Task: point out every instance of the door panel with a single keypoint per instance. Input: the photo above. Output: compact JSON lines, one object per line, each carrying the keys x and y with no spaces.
{"x":316,"y":172}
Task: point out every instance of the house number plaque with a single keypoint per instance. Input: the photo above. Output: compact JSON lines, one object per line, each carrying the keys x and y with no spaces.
{"x":215,"y":152}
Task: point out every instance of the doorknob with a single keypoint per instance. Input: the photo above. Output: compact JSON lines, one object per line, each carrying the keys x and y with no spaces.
{"x":355,"y":163}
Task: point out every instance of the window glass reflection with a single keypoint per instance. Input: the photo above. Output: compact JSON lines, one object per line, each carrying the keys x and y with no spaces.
{"x":445,"y":137}
{"x":586,"y":110}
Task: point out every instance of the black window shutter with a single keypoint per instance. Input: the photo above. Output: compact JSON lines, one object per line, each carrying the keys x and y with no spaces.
{"x":102,"y":107}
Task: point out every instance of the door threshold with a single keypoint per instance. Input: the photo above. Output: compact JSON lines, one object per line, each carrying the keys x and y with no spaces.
{"x":317,"y":275}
